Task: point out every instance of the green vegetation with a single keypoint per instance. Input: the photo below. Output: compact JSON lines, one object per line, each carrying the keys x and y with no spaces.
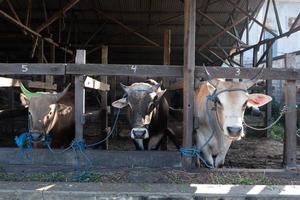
{"x":277,"y":132}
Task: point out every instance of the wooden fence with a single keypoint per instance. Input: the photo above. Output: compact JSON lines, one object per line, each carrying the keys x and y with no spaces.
{"x":80,"y":70}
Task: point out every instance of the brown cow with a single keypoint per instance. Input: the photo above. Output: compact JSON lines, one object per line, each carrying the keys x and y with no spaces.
{"x":50,"y":114}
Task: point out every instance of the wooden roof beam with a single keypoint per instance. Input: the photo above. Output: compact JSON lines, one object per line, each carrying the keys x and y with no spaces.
{"x":251,"y":17}
{"x":57,"y":15}
{"x":127,"y":28}
{"x":220,"y":34}
{"x":22,"y":26}
{"x":220,"y":26}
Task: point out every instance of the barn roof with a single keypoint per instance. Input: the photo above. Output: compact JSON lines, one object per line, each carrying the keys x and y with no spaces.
{"x":92,"y":23}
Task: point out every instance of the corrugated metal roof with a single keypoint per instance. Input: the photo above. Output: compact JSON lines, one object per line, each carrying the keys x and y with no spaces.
{"x":140,"y":15}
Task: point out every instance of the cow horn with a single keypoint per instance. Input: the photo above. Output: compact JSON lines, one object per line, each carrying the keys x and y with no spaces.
{"x":249,"y":83}
{"x":27,"y":93}
{"x":156,"y":86}
{"x":212,"y":81}
{"x":63,"y":93}
{"x":124,"y":87}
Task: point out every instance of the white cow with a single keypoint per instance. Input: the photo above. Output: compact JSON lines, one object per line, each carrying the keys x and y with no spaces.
{"x":220,"y":118}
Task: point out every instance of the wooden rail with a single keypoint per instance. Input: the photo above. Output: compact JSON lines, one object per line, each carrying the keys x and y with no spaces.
{"x":144,"y":71}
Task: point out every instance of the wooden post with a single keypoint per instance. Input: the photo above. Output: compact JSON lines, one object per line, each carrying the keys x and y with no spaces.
{"x":269,"y":63}
{"x":167,"y":46}
{"x":255,"y":51}
{"x":104,"y":116}
{"x":50,"y":79}
{"x":290,"y":138}
{"x":40,"y":55}
{"x":188,"y":76}
{"x":167,"y":52}
{"x":79,"y":97}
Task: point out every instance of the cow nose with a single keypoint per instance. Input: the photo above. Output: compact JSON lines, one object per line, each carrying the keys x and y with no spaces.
{"x":139,"y":133}
{"x":36,"y":136}
{"x":234,"y":131}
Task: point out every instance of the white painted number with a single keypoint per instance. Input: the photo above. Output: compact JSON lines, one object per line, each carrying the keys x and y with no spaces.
{"x":24,"y":68}
{"x":133,"y":68}
{"x":238,"y":71}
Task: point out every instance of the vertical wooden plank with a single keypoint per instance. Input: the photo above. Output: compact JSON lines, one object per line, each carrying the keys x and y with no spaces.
{"x":79,"y":97}
{"x":290,"y":138}
{"x":50,"y":79}
{"x":104,"y":116}
{"x":255,"y":51}
{"x":167,"y":46}
{"x":40,"y":51}
{"x":40,"y":55}
{"x":188,"y":76}
{"x":269,"y":63}
{"x":167,"y":53}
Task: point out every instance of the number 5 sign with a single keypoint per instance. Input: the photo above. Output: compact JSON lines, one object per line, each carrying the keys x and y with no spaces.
{"x":24,"y":68}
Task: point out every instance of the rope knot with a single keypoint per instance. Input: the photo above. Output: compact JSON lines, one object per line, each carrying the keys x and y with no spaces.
{"x":24,"y":140}
{"x":78,"y":144}
{"x":211,"y":98}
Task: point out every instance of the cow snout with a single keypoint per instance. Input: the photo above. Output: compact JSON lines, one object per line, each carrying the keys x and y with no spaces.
{"x":139,"y":133}
{"x":234,"y":131}
{"x":37,"y":136}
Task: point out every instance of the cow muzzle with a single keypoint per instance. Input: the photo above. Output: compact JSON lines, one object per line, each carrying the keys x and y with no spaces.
{"x":139,"y":133}
{"x":234,"y":132}
{"x":37,"y":136}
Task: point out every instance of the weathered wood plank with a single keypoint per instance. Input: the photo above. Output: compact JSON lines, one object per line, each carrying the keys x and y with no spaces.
{"x":111,"y":159}
{"x":143,"y":71}
{"x":188,"y":77}
{"x":32,"y":69}
{"x":125,"y":70}
{"x":94,"y":84}
{"x":290,"y":138}
{"x":10,"y":82}
{"x":269,"y":63}
{"x":79,"y":97}
{"x":104,"y":104}
{"x":177,"y":71}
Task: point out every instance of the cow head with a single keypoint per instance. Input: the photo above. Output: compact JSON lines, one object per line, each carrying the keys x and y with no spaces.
{"x":141,"y":100}
{"x":231,"y":100}
{"x":43,"y":111}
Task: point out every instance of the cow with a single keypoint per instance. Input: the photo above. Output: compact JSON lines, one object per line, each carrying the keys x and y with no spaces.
{"x":147,"y":112}
{"x":50,"y":115}
{"x":219,"y":112}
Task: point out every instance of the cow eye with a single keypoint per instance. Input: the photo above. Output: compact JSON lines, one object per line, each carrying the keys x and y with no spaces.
{"x":151,"y":106}
{"x":245,"y":104}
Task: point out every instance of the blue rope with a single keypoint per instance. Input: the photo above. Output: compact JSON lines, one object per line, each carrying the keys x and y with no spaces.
{"x":24,"y":143}
{"x":194,"y":152}
{"x":24,"y":140}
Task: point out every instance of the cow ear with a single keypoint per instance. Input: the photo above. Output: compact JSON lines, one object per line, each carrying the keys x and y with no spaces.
{"x":258,"y":100}
{"x":24,"y":100}
{"x":63,"y":109}
{"x":121,"y":103}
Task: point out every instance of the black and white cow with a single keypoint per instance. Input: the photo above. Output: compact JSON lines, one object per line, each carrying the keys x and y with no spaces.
{"x":147,"y":112}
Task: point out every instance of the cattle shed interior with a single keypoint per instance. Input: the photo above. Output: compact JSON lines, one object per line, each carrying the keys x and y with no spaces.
{"x":48,"y":44}
{"x":133,"y":30}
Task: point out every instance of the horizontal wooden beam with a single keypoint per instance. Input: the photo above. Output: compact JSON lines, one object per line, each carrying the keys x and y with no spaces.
{"x":110,"y":159}
{"x":144,"y":71}
{"x":97,"y":85}
{"x":32,"y":69}
{"x":10,"y":82}
{"x":177,"y":71}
